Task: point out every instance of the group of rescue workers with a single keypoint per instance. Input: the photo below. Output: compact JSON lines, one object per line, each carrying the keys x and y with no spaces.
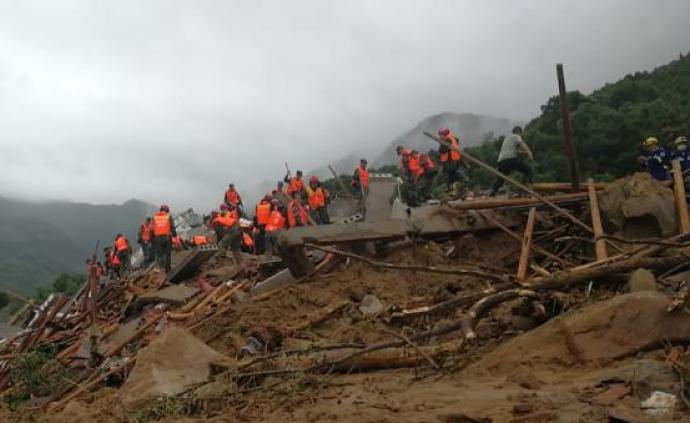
{"x":293,"y":204}
{"x":658,"y":159}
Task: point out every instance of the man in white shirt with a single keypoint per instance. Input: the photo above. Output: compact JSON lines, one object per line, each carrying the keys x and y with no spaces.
{"x":509,"y":160}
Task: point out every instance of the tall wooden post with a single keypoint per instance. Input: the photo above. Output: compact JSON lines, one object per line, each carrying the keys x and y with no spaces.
{"x":567,"y":130}
{"x":681,"y":201}
{"x":599,"y":244}
{"x":523,"y":264}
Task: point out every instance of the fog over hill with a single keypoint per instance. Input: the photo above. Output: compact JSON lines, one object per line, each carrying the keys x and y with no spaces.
{"x":472,"y":130}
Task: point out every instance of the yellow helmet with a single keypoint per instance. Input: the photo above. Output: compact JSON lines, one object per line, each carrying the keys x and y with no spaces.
{"x":681,"y":140}
{"x":650,"y":142}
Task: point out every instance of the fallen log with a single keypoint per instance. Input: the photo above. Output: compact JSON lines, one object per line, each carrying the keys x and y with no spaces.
{"x":517,"y":202}
{"x":446,"y":306}
{"x":316,"y":319}
{"x":564,"y":279}
{"x":466,"y":271}
{"x":470,"y":319}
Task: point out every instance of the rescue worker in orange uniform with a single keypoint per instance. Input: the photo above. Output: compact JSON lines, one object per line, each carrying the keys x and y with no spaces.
{"x":318,"y":199}
{"x":144,"y":240}
{"x":295,"y":183}
{"x":409,"y":168}
{"x":280,"y":194}
{"x":261,"y":219}
{"x":115,"y":264}
{"x":227,"y":226}
{"x":360,"y":179}
{"x":162,"y":233}
{"x":297,"y":215}
{"x":430,"y":172}
{"x":450,"y":157}
{"x":275,"y":224}
{"x":107,"y":253}
{"x":232,"y":198}
{"x":123,"y":251}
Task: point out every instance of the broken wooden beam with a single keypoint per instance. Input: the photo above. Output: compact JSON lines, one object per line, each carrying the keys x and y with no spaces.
{"x":526,"y":245}
{"x":496,"y":203}
{"x":600,"y":244}
{"x":564,"y":186}
{"x":681,"y":200}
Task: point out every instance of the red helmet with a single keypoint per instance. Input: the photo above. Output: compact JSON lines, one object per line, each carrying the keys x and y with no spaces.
{"x":314,"y":179}
{"x":165,"y":208}
{"x":223,"y":206}
{"x":443,"y":131}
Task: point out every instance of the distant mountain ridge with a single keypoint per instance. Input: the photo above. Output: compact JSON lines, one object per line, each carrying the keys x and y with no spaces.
{"x":471,"y":128}
{"x":40,"y":240}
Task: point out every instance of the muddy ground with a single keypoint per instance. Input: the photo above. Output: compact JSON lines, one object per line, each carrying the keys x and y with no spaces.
{"x":509,"y":375}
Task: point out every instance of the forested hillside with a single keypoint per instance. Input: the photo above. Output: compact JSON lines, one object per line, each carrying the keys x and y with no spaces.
{"x":39,"y":241}
{"x":609,"y":124}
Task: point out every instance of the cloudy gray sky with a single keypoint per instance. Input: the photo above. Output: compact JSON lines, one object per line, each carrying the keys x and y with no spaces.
{"x":164,"y":100}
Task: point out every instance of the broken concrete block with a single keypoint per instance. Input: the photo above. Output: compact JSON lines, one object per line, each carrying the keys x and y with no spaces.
{"x":641,"y":280}
{"x":370,"y":305}
{"x":174,"y":362}
{"x":639,"y":207}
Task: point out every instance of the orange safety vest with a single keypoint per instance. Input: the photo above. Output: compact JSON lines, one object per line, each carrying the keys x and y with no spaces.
{"x":454,"y":154}
{"x":303,"y":217}
{"x":232,"y":197}
{"x":295,"y":185}
{"x":415,"y":166}
{"x":248,"y":241}
{"x":121,"y":244}
{"x":161,"y":224}
{"x":263,"y":213}
{"x":228,"y":220}
{"x":200,"y":240}
{"x":317,"y":198}
{"x":146,"y":232}
{"x":277,"y":222}
{"x":364,"y":177}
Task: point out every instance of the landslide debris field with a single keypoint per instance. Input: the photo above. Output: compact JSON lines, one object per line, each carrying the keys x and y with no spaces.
{"x":508,"y":315}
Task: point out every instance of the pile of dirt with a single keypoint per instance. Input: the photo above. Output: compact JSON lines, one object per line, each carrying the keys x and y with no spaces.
{"x":594,"y":335}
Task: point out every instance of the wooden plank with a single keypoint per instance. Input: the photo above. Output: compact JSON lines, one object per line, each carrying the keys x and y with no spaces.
{"x":681,"y":201}
{"x":600,"y":244}
{"x":516,"y":202}
{"x":526,"y":245}
{"x":563,"y":186}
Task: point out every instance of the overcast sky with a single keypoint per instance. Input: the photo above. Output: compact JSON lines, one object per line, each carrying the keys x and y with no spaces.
{"x":102,"y":101}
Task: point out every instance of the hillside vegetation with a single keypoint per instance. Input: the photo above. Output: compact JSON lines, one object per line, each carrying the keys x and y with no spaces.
{"x":40,"y":241}
{"x":609,"y":124}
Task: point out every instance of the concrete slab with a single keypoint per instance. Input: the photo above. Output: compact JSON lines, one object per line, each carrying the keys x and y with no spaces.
{"x":174,"y":294}
{"x":191,"y":262}
{"x":277,"y":281}
{"x":428,"y":222}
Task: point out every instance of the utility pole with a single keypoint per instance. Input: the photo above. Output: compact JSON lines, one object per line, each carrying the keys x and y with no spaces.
{"x":567,"y":130}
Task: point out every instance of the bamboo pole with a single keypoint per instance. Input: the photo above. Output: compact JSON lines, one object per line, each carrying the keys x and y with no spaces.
{"x":526,"y":245}
{"x":600,"y":244}
{"x":681,"y":201}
